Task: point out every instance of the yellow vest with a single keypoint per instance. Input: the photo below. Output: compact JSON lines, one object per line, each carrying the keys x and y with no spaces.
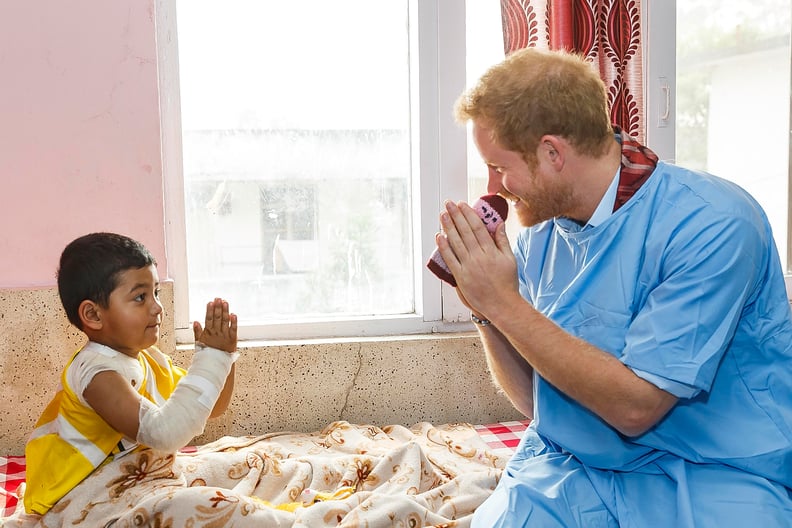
{"x":70,"y":440}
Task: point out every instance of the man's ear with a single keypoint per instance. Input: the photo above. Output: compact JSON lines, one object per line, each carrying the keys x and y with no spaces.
{"x":90,"y":315}
{"x":552,"y":149}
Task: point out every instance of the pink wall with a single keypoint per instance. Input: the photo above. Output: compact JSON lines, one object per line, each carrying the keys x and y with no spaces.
{"x":79,"y":131}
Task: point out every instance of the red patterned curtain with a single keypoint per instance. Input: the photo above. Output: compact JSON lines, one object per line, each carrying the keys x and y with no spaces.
{"x":606,"y":32}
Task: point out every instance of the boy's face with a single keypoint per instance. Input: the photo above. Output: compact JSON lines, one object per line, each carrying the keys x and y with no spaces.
{"x":132,"y":318}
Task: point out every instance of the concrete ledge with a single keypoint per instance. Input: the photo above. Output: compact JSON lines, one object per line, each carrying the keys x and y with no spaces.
{"x":280,"y":386}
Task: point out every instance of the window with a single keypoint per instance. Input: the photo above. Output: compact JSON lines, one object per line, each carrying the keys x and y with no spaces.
{"x":731,"y":98}
{"x":308,"y":147}
{"x":316,"y":145}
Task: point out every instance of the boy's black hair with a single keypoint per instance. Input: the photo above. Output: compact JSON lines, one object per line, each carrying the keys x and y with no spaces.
{"x":89,"y":269}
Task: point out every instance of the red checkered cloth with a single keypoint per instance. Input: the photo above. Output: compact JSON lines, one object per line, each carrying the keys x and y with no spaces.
{"x":12,"y":474}
{"x":503,"y":437}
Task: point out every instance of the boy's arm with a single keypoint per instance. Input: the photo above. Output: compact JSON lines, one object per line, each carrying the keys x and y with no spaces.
{"x":184,"y":415}
{"x":225,"y":396}
{"x":181,"y":418}
{"x":220,"y":332}
{"x":114,"y":399}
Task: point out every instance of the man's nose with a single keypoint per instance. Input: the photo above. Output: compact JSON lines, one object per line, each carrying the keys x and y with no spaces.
{"x":494,"y":182}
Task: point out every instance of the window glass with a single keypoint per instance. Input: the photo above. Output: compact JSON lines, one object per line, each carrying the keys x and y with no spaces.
{"x":295,"y":138}
{"x":485,"y":33}
{"x":732,"y":114}
{"x":484,"y":28}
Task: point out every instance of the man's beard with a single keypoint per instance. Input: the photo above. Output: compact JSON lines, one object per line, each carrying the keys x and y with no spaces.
{"x":543,"y":204}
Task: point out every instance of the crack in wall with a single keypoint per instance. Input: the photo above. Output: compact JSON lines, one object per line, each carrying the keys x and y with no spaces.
{"x":353,"y":384}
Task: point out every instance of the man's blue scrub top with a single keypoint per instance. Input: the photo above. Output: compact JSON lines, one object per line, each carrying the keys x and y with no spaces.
{"x":684,"y":285}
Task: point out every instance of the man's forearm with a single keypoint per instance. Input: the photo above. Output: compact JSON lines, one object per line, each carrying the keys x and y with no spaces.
{"x":593,"y":377}
{"x":510,"y":372}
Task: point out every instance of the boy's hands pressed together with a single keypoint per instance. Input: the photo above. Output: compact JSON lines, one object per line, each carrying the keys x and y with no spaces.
{"x":220,"y":327}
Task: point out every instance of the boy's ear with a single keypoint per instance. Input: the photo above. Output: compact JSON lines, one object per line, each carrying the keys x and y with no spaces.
{"x":90,"y":315}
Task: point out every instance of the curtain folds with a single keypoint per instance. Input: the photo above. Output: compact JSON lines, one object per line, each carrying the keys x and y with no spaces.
{"x":606,"y":32}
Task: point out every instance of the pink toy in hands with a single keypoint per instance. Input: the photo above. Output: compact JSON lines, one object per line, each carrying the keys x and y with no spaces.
{"x":493,"y":210}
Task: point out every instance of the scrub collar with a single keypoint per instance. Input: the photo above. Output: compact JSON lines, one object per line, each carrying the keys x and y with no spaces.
{"x":605,"y":208}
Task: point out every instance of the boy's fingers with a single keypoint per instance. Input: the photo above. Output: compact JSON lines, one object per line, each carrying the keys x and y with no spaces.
{"x":220,"y":323}
{"x":233,"y":327}
{"x":197,"y":330}
{"x":209,"y":314}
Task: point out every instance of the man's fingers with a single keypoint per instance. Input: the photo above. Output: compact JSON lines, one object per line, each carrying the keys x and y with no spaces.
{"x":502,"y":239}
{"x":455,"y":228}
{"x":477,"y":227}
{"x":471,"y":230}
{"x":464,"y":231}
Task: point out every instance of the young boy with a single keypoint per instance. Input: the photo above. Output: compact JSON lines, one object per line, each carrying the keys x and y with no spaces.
{"x":119,"y":391}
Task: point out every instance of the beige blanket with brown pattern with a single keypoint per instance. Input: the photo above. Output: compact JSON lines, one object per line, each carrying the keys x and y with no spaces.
{"x":345,"y":475}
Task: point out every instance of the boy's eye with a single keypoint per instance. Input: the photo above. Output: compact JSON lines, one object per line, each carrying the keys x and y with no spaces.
{"x":157,"y":293}
{"x":140,"y":297}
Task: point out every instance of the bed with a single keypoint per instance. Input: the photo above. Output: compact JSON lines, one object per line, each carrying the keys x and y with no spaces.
{"x":344,"y":475}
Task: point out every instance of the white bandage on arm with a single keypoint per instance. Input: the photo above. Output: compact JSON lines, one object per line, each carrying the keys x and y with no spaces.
{"x":184,"y":414}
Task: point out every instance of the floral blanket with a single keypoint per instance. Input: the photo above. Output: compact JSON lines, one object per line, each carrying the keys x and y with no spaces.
{"x":345,"y":475}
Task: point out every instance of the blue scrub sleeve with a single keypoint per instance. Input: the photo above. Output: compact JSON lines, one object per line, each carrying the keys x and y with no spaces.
{"x":710,"y":267}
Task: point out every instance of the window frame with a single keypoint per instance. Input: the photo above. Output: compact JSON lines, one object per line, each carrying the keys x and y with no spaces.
{"x":438,"y":61}
{"x":437,"y":35}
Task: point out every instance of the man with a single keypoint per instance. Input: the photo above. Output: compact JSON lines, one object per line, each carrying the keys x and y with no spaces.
{"x":641,"y":320}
